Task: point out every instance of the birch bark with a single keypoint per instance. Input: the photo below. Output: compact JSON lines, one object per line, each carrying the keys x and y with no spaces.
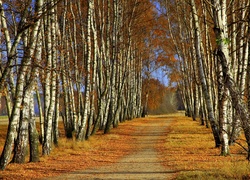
{"x":81,"y":131}
{"x":50,"y":84}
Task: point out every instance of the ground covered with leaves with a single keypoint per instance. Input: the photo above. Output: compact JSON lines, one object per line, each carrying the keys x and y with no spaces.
{"x":188,"y":150}
{"x":71,"y":155}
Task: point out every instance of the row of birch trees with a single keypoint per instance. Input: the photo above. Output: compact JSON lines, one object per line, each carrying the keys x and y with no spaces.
{"x":81,"y":60}
{"x":211,"y":41}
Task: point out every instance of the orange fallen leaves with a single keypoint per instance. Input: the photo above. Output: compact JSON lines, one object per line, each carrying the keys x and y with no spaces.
{"x":71,"y":156}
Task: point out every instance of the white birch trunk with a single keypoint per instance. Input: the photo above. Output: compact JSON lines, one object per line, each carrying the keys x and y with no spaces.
{"x":223,"y":113}
{"x":50,"y":84}
{"x":81,"y":132}
{"x":22,"y":139}
{"x":33,"y":134}
{"x":96,"y":57}
{"x":101,"y":89}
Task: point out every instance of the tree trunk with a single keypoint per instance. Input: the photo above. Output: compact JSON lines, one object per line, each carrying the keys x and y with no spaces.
{"x":223,"y":115}
{"x":237,"y":100}
{"x":21,"y":144}
{"x":82,"y":127}
{"x":33,"y":134}
{"x":50,"y":85}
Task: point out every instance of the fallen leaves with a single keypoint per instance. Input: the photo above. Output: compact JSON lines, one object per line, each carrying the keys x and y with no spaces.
{"x":72,"y":155}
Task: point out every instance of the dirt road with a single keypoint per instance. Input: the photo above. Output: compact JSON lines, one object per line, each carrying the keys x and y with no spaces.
{"x":144,"y":163}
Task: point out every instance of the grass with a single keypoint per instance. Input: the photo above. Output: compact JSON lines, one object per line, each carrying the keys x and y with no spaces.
{"x":4,"y":117}
{"x":189,"y":149}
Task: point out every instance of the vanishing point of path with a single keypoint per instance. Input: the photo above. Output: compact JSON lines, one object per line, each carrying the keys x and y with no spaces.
{"x":144,"y":163}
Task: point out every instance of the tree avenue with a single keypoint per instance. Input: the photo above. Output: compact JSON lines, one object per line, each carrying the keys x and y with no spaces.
{"x":210,"y":39}
{"x":89,"y":63}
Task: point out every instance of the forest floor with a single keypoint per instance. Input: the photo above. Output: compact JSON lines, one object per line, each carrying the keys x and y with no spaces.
{"x":156,"y":147}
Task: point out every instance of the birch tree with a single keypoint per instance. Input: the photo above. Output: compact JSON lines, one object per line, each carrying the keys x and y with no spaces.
{"x":81,"y":132}
{"x":50,"y":77}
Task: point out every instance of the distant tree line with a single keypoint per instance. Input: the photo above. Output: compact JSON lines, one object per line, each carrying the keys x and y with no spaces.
{"x":159,"y":98}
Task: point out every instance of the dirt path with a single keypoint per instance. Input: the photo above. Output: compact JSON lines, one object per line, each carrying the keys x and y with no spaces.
{"x":144,"y":163}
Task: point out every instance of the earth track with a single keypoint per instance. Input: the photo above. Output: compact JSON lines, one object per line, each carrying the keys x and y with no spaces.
{"x":144,"y":163}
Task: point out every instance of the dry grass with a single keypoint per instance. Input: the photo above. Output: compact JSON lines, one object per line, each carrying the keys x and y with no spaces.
{"x":190,"y":150}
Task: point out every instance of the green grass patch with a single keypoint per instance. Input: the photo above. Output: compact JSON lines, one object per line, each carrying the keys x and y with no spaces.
{"x":4,"y":117}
